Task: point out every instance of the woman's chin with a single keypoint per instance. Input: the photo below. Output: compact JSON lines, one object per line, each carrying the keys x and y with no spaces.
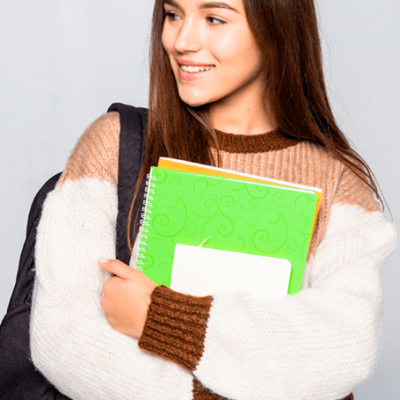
{"x":194,"y":99}
{"x":194,"y":102}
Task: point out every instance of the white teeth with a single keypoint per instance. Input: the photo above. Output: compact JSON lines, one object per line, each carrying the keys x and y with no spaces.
{"x":189,"y":68}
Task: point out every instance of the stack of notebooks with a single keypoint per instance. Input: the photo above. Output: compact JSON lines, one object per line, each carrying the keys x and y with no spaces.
{"x":207,"y":230}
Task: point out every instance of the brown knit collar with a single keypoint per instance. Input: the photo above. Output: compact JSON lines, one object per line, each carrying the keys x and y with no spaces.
{"x":264,"y":142}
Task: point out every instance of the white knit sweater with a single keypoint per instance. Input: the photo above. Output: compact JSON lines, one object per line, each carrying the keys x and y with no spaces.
{"x":315,"y":345}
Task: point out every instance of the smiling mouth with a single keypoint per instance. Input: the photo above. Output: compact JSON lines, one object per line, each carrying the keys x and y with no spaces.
{"x":194,"y":68}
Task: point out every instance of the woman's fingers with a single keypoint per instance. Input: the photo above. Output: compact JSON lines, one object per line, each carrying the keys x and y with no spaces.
{"x":116,"y":267}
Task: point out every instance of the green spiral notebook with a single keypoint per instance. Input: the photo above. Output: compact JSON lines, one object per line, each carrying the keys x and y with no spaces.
{"x":225,"y":214}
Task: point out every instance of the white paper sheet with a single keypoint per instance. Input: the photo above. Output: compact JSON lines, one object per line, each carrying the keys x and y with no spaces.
{"x":201,"y":271}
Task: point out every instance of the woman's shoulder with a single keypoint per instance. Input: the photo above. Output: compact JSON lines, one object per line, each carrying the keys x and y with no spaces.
{"x":342,"y":184}
{"x":95,"y":154}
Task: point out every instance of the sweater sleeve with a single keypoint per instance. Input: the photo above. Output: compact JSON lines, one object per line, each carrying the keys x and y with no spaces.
{"x":318,"y":344}
{"x":72,"y":343}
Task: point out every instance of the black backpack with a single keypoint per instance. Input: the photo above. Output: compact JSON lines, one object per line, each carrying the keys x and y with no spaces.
{"x":19,"y":378}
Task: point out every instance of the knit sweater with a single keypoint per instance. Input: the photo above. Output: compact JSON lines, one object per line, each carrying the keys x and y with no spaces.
{"x":318,"y":344}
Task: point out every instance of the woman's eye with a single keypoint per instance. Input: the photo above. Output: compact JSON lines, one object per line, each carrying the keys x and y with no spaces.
{"x":171,"y":16}
{"x":215,"y":21}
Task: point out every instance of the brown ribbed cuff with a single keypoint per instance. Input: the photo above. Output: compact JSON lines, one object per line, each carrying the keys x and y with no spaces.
{"x":176,"y":326}
{"x":202,"y":393}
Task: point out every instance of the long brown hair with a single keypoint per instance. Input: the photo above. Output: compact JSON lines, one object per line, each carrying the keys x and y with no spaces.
{"x":286,"y":32}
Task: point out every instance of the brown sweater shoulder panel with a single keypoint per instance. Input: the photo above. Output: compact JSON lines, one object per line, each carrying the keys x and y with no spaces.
{"x":95,"y":155}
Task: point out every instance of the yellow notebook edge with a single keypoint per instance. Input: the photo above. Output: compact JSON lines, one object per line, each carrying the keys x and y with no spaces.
{"x":186,"y":166}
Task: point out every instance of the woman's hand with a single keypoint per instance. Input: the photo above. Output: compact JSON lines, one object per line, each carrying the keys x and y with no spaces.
{"x":127,"y":297}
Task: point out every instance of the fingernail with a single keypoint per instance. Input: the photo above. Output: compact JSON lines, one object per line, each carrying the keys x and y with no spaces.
{"x":102,"y":260}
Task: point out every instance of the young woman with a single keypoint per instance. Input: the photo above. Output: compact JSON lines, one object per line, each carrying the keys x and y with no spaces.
{"x":239,"y":84}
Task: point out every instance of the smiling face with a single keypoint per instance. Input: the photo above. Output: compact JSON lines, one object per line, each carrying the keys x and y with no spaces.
{"x":212,"y":51}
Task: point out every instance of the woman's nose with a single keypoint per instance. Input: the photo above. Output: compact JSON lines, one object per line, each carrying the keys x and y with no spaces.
{"x":189,"y":38}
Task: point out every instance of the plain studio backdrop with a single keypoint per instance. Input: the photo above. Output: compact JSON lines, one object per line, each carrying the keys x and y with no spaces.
{"x":62,"y":63}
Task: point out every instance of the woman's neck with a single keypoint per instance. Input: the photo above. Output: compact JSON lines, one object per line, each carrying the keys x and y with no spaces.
{"x":242,"y":113}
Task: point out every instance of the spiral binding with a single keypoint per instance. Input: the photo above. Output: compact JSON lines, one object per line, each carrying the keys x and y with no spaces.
{"x":145,"y":219}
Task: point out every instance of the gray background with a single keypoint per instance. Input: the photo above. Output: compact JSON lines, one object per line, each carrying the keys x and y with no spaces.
{"x":62,"y":63}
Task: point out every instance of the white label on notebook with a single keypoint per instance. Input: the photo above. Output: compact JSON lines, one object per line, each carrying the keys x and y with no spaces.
{"x":201,"y":271}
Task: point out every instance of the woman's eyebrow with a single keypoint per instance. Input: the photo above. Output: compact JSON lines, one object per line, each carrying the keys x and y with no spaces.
{"x":218,"y":4}
{"x":209,"y":4}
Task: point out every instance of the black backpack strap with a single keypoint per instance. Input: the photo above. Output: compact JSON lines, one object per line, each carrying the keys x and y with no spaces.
{"x":131,"y":154}
{"x":19,"y":379}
